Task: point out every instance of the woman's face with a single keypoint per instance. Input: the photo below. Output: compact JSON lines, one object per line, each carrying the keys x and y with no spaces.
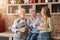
{"x":43,"y":12}
{"x":33,"y":14}
{"x":23,"y":14}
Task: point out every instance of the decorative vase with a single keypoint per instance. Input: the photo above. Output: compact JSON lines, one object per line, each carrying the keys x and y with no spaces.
{"x":32,"y":1}
{"x":26,"y":1}
{"x":13,"y":1}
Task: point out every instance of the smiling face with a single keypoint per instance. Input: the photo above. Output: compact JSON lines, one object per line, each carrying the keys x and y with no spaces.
{"x":43,"y":12}
{"x":23,"y":13}
{"x":34,"y":14}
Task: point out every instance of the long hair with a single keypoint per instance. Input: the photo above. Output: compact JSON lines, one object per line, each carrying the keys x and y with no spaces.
{"x":47,"y":11}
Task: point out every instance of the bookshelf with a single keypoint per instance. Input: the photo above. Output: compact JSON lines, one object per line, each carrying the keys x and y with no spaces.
{"x":14,"y":8}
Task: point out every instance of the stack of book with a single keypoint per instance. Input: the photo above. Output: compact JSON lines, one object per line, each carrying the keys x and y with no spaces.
{"x":44,"y":1}
{"x":17,"y":1}
{"x":33,"y":1}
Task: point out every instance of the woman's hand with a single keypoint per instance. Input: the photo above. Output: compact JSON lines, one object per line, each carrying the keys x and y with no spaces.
{"x":34,"y":25}
{"x":31,"y":24}
{"x":41,"y":28}
{"x":20,"y":30}
{"x":17,"y":30}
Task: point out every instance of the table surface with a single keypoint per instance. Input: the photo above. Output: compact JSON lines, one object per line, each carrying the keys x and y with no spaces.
{"x":7,"y":33}
{"x":10,"y":34}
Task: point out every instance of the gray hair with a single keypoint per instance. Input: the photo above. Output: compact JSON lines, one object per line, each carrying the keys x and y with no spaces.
{"x":22,"y":10}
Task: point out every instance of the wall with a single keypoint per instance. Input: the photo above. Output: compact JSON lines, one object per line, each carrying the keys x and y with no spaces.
{"x":56,"y":20}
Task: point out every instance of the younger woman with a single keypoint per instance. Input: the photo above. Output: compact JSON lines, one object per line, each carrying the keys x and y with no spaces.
{"x":46,"y":25}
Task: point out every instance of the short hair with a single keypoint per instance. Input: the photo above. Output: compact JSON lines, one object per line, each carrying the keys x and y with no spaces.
{"x":34,"y":11}
{"x":21,"y":10}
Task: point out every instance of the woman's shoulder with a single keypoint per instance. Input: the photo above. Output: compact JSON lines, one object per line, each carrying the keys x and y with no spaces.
{"x":49,"y":19}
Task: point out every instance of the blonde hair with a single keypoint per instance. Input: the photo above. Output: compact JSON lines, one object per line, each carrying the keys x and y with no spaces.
{"x":47,"y":14}
{"x":46,"y":11}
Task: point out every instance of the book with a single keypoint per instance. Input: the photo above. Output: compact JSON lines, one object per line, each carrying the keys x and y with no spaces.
{"x":42,"y":1}
{"x":36,"y":1}
{"x":22,"y":1}
{"x":39,"y":1}
{"x":46,"y":0}
{"x":17,"y":1}
{"x":49,"y":0}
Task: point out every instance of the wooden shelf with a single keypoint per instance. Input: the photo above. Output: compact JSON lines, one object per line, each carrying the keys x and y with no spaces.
{"x":26,"y":4}
{"x":55,"y":13}
{"x":12,"y":14}
{"x":13,"y":4}
{"x":55,"y":3}
{"x":34,"y":6}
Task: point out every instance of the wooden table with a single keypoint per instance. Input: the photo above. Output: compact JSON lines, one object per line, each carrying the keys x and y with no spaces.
{"x":10,"y":35}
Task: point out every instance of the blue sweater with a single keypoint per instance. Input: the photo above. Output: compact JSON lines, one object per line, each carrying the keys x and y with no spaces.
{"x":35,"y":21}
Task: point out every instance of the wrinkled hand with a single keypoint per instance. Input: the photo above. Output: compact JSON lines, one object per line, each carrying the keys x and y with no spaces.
{"x":31,"y":24}
{"x":21,"y":30}
{"x":17,"y":30}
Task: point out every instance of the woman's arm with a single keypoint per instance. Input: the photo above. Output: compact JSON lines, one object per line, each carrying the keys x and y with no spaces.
{"x":14,"y":27}
{"x":50,"y":25}
{"x":29,"y":24}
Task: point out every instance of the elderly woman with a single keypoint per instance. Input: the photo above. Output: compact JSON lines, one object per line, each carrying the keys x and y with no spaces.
{"x":20,"y":27}
{"x":34,"y":23}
